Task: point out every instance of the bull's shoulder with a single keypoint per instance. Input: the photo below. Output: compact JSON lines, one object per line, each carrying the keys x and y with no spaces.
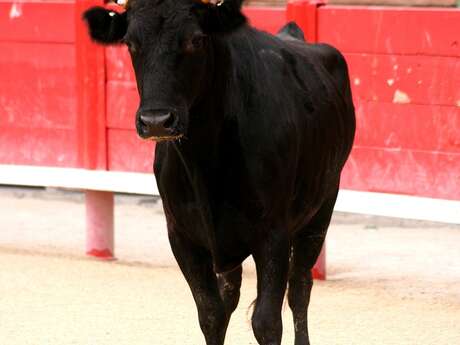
{"x":321,"y":54}
{"x":325,"y":59}
{"x":289,"y":68}
{"x":330,"y":56}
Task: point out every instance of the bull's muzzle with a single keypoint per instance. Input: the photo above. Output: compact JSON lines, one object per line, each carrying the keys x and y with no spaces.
{"x":157,"y":125}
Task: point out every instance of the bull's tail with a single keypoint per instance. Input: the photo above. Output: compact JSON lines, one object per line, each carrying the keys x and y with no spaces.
{"x":291,"y":31}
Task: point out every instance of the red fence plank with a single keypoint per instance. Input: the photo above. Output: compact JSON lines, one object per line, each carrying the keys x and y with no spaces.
{"x":305,"y":14}
{"x":416,"y":127}
{"x":269,"y":19}
{"x":91,"y":107}
{"x":122,"y":103}
{"x":45,"y":147}
{"x":405,"y":79}
{"x":118,"y":64}
{"x":127,"y":152}
{"x":388,"y":30}
{"x":37,"y":85}
{"x":37,"y":21}
{"x":396,"y":171}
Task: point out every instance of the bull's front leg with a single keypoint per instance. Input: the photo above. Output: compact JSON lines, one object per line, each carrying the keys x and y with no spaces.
{"x":229,"y":287}
{"x":196,"y":265}
{"x":272,"y":264}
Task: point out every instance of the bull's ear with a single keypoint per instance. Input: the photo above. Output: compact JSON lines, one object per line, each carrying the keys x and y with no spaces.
{"x":220,"y":16}
{"x":106,"y":26}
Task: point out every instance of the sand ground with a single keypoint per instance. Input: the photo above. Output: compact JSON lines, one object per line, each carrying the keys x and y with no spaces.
{"x":390,"y":281}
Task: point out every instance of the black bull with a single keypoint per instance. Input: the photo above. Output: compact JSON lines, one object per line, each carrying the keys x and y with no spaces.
{"x":253,"y":133}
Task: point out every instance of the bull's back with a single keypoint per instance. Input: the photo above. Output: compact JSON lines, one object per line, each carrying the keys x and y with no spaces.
{"x":297,"y":126}
{"x":334,"y":71}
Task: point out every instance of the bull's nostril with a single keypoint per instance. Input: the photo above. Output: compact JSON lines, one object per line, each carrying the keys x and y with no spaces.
{"x":144,"y":120}
{"x":159,"y":123}
{"x":169,"y":121}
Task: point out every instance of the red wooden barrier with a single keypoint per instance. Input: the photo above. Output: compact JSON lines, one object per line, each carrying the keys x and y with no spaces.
{"x":405,"y":72}
{"x":90,"y":75}
{"x":305,"y":14}
{"x":37,"y":84}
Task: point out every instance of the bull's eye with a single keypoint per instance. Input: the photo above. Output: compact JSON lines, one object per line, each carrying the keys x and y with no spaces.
{"x":195,"y":43}
{"x":198,"y":42}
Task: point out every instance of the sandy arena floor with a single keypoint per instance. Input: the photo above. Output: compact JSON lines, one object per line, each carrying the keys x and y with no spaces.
{"x":390,"y":282}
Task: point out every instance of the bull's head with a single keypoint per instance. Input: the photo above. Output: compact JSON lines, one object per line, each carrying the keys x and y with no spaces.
{"x":169,"y":42}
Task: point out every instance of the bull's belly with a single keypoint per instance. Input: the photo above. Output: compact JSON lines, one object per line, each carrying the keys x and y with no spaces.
{"x":224,"y":233}
{"x":230,"y":238}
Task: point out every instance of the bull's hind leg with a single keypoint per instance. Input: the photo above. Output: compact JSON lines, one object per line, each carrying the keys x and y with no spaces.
{"x":306,"y":248}
{"x":196,"y":265}
{"x":272,"y":265}
{"x":229,"y":287}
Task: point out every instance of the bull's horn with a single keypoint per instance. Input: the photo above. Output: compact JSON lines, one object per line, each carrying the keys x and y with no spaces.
{"x":122,"y":3}
{"x":213,"y":2}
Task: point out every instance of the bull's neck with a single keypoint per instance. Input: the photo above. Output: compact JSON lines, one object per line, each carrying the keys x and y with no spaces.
{"x":207,"y":116}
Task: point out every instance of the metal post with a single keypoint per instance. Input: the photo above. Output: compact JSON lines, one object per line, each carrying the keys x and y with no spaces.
{"x":99,"y":224}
